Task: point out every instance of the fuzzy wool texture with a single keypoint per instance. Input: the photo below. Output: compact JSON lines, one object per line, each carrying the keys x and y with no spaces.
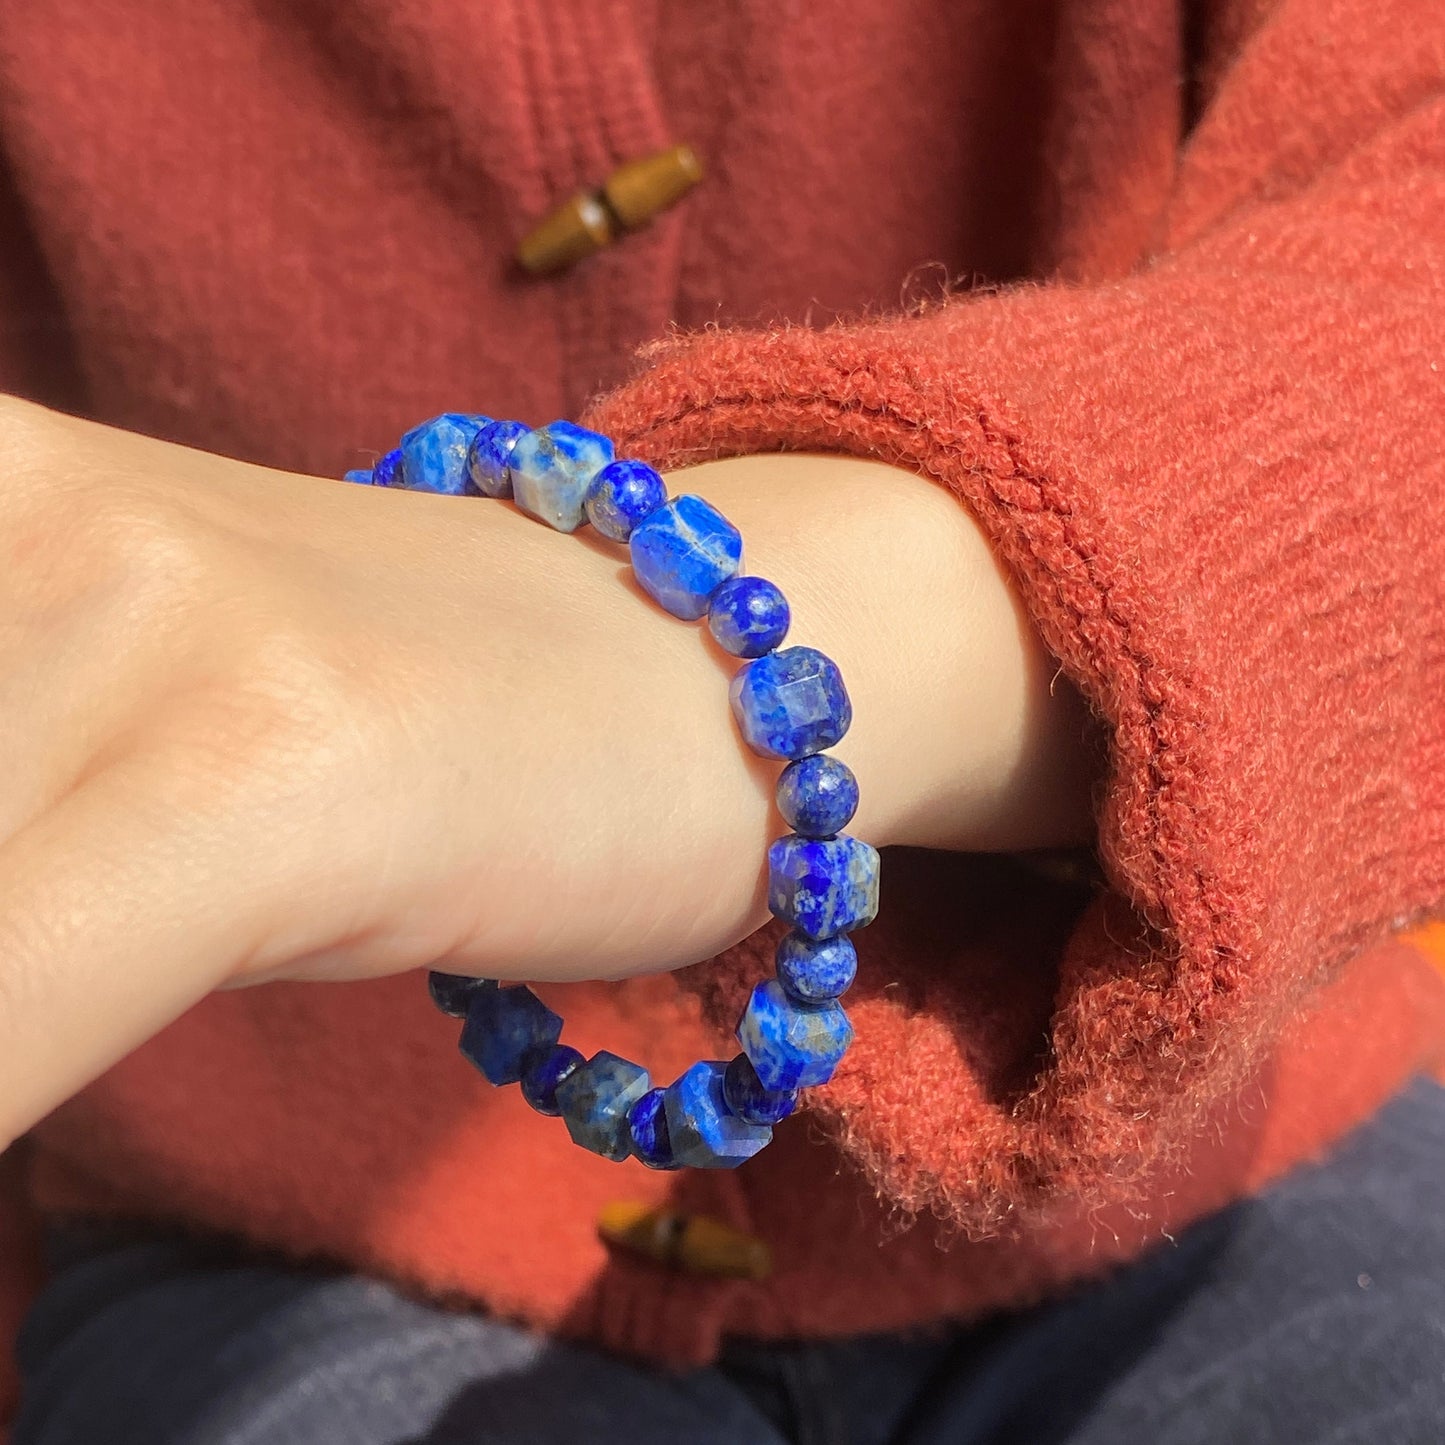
{"x":1196,"y":399}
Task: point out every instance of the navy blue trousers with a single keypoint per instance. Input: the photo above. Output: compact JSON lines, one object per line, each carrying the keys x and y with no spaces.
{"x":1313,"y":1315}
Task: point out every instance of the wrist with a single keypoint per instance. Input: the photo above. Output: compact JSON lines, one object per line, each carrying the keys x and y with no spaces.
{"x":965,"y":736}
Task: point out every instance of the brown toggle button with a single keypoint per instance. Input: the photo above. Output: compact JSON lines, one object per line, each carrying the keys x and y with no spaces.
{"x":628,"y":199}
{"x":692,"y":1243}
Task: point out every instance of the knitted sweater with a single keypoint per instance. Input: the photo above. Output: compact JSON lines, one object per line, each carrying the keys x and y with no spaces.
{"x":1156,"y":290}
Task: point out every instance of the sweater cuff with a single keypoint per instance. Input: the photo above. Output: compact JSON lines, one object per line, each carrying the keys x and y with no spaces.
{"x":1189,"y":481}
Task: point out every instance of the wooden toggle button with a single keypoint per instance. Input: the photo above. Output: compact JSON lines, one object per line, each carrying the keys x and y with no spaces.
{"x":692,"y":1243}
{"x":626,"y":201}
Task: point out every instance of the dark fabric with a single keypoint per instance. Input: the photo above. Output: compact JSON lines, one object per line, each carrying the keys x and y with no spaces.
{"x":1313,"y":1315}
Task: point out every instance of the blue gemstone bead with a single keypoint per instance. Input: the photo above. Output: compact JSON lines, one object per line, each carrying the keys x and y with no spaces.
{"x":683,"y":553}
{"x":749,"y":1100}
{"x":651,"y":1142}
{"x":595,"y":1100}
{"x":705,"y":1133}
{"x":749,"y":616}
{"x":388,"y":471}
{"x":623,"y":494}
{"x":434,"y":454}
{"x":489,"y":458}
{"x":542,"y":1072}
{"x":791,"y":703}
{"x":823,"y":886}
{"x":792,"y":1045}
{"x":360,"y":475}
{"x":503,"y":1026}
{"x":815,"y":969}
{"x":818,"y":795}
{"x":453,"y":992}
{"x":552,"y":468}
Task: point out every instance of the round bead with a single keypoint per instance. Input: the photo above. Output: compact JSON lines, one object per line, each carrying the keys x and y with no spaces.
{"x":387,"y":472}
{"x":791,"y":703}
{"x":749,"y":1100}
{"x":542,"y":1071}
{"x":488,"y":456}
{"x":452,"y":992}
{"x":621,"y":495}
{"x":647,"y":1122}
{"x":748,"y":616}
{"x":818,"y":795}
{"x":815,"y":970}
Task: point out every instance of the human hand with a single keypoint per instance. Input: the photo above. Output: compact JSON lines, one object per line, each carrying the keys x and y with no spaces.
{"x":261,"y":725}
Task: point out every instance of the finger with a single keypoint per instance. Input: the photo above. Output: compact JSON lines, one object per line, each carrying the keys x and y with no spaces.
{"x":117,"y":912}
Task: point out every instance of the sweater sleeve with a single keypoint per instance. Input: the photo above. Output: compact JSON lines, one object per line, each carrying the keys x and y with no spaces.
{"x":1219,"y":486}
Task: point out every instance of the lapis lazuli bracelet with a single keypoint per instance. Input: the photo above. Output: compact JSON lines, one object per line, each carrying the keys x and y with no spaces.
{"x":790,"y":704}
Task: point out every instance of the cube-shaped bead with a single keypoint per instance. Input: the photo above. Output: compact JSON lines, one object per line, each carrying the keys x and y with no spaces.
{"x":683,"y":553}
{"x":452,"y":993}
{"x":818,"y":795}
{"x":623,"y":494}
{"x":749,"y":616}
{"x":791,"y":703}
{"x":815,"y":969}
{"x":749,"y":1100}
{"x":489,"y":458}
{"x":791,"y":1044}
{"x":503,"y":1026}
{"x":704,"y":1132}
{"x":361,"y":476}
{"x":434,"y":454}
{"x":823,"y":886}
{"x":551,"y":470}
{"x":651,"y":1143}
{"x":388,"y":470}
{"x":543,"y":1071}
{"x":595,"y":1100}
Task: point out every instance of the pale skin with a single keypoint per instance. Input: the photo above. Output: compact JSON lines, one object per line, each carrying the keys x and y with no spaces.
{"x":259,"y":725}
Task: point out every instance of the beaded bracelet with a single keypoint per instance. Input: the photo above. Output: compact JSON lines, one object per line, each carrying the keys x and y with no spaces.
{"x":790,"y":705}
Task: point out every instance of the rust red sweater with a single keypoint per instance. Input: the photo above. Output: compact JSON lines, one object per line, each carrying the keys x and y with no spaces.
{"x":1156,"y":290}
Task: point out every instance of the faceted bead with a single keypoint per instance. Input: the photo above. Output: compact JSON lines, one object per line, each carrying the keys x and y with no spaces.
{"x":647,"y":1121}
{"x":623,"y":494}
{"x":749,"y":616}
{"x":489,"y":458}
{"x":705,"y":1133}
{"x":453,"y":992}
{"x":683,"y":553}
{"x":360,"y":475}
{"x":388,"y":471}
{"x":749,"y":1100}
{"x":791,"y":703}
{"x":792,"y":1044}
{"x":818,"y":795}
{"x":552,"y":468}
{"x":815,"y":969}
{"x":823,"y":886}
{"x":434,"y":454}
{"x":542,"y":1071}
{"x":503,"y":1026}
{"x":595,"y":1100}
